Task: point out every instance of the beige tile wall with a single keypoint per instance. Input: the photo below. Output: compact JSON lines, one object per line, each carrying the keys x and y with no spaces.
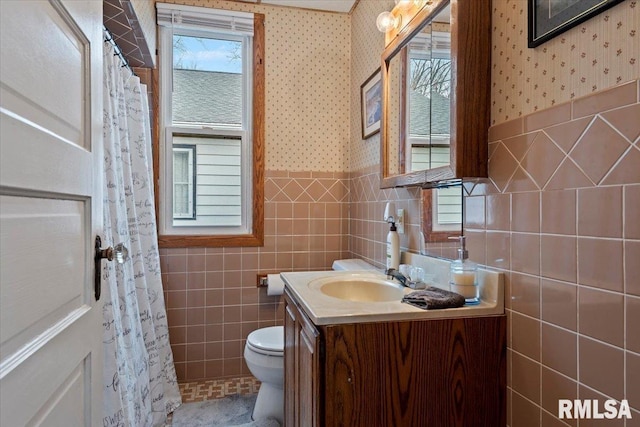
{"x":368,"y":231}
{"x":212,"y":299}
{"x":524,"y":220}
{"x":523,"y":81}
{"x":559,"y":216}
{"x":560,"y":212}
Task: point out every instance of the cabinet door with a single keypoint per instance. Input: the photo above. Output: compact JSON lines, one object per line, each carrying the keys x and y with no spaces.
{"x":308,"y":374}
{"x":302,"y":373}
{"x":290,"y":360}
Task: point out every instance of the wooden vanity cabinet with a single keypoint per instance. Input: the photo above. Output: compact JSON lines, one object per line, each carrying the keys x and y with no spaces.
{"x":434,"y":372}
{"x":301,"y":368}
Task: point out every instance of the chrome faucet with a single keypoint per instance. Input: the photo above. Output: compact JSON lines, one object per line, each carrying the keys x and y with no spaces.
{"x":393,"y":273}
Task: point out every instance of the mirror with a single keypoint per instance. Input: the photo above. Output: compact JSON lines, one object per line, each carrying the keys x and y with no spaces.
{"x":436,"y":86}
{"x":419,"y":80}
{"x":441,"y":213}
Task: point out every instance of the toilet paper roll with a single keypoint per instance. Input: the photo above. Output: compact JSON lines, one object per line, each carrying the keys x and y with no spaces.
{"x":275,"y":285}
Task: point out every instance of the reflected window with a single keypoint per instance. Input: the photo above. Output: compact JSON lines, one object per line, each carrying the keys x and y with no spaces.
{"x":428,"y":74}
{"x":442,"y":213}
{"x":447,"y":209}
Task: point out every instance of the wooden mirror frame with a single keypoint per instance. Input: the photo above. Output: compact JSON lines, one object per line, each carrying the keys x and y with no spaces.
{"x":470,"y":93}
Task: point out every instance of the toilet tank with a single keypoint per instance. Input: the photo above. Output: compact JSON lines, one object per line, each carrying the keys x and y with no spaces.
{"x":352,"y":264}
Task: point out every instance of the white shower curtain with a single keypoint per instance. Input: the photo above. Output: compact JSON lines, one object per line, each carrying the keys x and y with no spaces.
{"x":139,"y":374}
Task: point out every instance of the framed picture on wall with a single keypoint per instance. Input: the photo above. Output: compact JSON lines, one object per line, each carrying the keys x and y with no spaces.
{"x":371,"y":100}
{"x":548,"y":18}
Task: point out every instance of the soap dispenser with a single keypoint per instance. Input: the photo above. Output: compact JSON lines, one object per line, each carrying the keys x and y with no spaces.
{"x":393,"y":240}
{"x":463,"y":277}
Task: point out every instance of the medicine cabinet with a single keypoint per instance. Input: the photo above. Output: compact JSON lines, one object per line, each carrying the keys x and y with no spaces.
{"x":436,"y":76}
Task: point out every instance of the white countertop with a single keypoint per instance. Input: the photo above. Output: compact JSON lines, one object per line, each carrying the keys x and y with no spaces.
{"x":324,"y":310}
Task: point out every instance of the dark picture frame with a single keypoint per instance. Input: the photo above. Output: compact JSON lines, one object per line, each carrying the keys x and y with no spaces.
{"x":371,"y":101}
{"x":548,"y":18}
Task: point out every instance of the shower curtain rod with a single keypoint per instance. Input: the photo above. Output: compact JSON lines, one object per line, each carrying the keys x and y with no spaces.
{"x":108,"y":37}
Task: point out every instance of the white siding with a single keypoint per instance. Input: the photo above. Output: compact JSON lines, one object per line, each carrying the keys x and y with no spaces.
{"x":183,"y":182}
{"x":218,"y":181}
{"x":423,"y":158}
{"x":448,"y":208}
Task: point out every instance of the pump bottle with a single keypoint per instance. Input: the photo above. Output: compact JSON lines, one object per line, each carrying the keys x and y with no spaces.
{"x":393,"y":240}
{"x":393,"y":248}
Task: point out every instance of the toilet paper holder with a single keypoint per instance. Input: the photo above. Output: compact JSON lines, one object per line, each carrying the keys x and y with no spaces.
{"x":262,"y":280}
{"x":272,"y":282}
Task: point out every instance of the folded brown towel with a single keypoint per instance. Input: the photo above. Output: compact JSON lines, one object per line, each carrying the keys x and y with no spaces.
{"x":433,"y":298}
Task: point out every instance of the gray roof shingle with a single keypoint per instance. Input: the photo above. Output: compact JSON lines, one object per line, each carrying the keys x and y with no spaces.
{"x":421,"y":122}
{"x":207,"y":97}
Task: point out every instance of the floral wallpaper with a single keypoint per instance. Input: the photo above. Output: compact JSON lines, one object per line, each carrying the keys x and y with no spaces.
{"x":307,"y":79}
{"x":599,"y":53}
{"x":367,"y":44}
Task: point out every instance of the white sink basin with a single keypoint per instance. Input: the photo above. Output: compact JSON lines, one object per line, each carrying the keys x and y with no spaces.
{"x":359,"y":289}
{"x":339,"y":297}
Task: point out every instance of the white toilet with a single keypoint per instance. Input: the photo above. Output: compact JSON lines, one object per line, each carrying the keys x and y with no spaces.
{"x":264,"y":354}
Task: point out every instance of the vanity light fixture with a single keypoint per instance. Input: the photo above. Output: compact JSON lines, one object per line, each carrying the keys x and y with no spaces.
{"x":406,"y":4}
{"x":387,"y":21}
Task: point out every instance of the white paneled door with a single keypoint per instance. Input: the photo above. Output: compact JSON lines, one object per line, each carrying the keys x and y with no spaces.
{"x":50,"y":212}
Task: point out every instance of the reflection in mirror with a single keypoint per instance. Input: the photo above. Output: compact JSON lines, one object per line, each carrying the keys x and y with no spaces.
{"x":441,"y":213}
{"x":419,"y":100}
{"x":428,"y":98}
{"x":395,"y":160}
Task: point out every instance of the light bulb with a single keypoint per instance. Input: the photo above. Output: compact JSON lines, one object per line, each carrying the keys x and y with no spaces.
{"x":404,"y":3}
{"x":386,"y":21}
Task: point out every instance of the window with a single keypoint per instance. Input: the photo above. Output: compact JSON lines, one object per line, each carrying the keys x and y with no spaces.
{"x":442,"y":213}
{"x":184,"y":182}
{"x":211,"y":124}
{"x":447,"y":209}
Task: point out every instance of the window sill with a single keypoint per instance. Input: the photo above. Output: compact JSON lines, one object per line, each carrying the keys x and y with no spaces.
{"x":237,"y":240}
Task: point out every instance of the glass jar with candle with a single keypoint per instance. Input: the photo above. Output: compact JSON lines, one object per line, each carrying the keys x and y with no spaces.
{"x":463,"y":277}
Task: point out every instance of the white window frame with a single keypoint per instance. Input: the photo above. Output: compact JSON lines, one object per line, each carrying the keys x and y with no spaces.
{"x":191,"y":180}
{"x":195,"y":22}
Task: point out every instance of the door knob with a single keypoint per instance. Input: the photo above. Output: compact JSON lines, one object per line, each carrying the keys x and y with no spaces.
{"x":118,"y":252}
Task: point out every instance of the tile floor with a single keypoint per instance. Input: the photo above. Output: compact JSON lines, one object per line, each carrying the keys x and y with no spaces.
{"x":197,"y":391}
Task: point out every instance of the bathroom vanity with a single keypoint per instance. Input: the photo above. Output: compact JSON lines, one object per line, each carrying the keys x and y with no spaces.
{"x":384,"y":363}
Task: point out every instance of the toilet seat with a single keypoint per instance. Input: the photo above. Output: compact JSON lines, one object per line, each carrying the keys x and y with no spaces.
{"x":268,"y":341}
